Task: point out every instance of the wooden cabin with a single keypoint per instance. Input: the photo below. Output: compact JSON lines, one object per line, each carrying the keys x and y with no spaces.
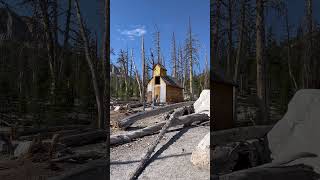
{"x":223,"y":102}
{"x":163,"y":88}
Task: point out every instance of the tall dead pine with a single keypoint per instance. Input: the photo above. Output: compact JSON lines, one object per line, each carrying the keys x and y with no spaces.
{"x":99,"y":98}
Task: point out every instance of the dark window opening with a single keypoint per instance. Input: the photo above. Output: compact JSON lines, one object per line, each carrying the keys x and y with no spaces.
{"x":157,"y":81}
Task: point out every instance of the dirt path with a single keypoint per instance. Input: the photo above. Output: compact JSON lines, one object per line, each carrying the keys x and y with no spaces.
{"x":171,"y":161}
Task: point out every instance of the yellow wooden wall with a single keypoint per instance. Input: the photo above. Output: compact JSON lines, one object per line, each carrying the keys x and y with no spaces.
{"x":158,"y":71}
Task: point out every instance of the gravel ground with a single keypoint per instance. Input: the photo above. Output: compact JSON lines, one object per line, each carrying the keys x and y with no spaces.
{"x":171,"y":160}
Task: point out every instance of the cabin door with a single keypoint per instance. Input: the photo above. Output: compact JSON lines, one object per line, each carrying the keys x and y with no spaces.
{"x":157,"y":93}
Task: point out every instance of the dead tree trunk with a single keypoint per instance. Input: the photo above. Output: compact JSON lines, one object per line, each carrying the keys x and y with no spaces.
{"x":183,"y":120}
{"x":261,"y":63}
{"x":308,"y":53}
{"x":174,"y":56}
{"x":99,"y":98}
{"x":50,"y":46}
{"x":137,"y":75}
{"x":230,"y":30}
{"x":190,"y":51}
{"x":143,"y":73}
{"x":215,"y":32}
{"x":239,"y":53}
{"x":295,"y":86}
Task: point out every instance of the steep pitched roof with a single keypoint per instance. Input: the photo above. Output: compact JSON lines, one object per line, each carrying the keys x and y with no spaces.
{"x":170,"y":81}
{"x":159,"y":65}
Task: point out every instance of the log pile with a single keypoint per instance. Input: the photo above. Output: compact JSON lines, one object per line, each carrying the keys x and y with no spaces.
{"x":128,"y":121}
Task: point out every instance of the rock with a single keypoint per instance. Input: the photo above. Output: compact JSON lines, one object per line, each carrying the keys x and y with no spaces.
{"x":200,"y":157}
{"x":202,"y":104}
{"x":22,"y":148}
{"x":296,"y":135}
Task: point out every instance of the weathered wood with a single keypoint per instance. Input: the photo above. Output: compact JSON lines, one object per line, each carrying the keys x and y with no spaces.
{"x":46,"y":135}
{"x":95,"y":169}
{"x":34,"y":130}
{"x":84,"y":138}
{"x":177,"y":112}
{"x":129,"y":136}
{"x":128,"y":121}
{"x":239,"y":134}
{"x":239,"y":155}
{"x":80,"y":156}
{"x":295,"y":172}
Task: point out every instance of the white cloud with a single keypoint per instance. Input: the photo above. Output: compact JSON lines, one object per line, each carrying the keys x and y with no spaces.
{"x":133,"y":33}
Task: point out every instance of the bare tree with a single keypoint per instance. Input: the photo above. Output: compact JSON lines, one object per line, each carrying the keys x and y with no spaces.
{"x":191,"y":54}
{"x":174,"y":57}
{"x":261,"y":62}
{"x":136,"y":75}
{"x":143,"y":58}
{"x":230,"y":41}
{"x":206,"y":72}
{"x":157,"y":44}
{"x":215,"y":27}
{"x":99,"y":97}
{"x":50,"y":44}
{"x":307,"y":73}
{"x":295,"y":86}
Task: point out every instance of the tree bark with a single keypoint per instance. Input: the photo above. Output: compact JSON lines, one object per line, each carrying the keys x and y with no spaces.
{"x":230,"y":42}
{"x":143,"y":73}
{"x":50,"y":46}
{"x":239,"y":134}
{"x":129,"y":136}
{"x":239,"y":53}
{"x":99,"y":98}
{"x":127,"y":122}
{"x":190,"y":61}
{"x":295,"y":86}
{"x":261,"y":63}
{"x":137,"y":76}
{"x":295,"y":172}
{"x":84,"y":138}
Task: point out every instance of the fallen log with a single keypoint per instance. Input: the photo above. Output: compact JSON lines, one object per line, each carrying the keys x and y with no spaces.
{"x":295,"y":172}
{"x":79,"y":157}
{"x":46,"y":135}
{"x":128,"y":121}
{"x":84,"y":138}
{"x":239,"y":155}
{"x":24,"y":131}
{"x":95,"y":169}
{"x":239,"y":134}
{"x":177,"y":112}
{"x":129,"y":136}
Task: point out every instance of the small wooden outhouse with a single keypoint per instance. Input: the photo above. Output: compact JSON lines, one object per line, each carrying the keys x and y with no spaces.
{"x":223,"y":102}
{"x":163,"y":88}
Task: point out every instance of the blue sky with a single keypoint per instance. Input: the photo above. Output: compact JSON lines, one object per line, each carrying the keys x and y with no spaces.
{"x":296,"y":10}
{"x":132,"y":18}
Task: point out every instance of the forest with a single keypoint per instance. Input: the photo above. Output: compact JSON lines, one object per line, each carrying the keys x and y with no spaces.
{"x":269,"y":49}
{"x":51,"y":62}
{"x":257,"y":45}
{"x":53,"y":88}
{"x":127,"y":81}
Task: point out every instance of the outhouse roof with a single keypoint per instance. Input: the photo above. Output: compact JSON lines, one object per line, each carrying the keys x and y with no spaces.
{"x":170,"y":81}
{"x":218,"y":77}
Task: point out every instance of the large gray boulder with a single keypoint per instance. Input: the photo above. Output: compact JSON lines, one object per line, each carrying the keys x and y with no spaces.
{"x":202,"y":104}
{"x":200,"y":157}
{"x":296,"y":136}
